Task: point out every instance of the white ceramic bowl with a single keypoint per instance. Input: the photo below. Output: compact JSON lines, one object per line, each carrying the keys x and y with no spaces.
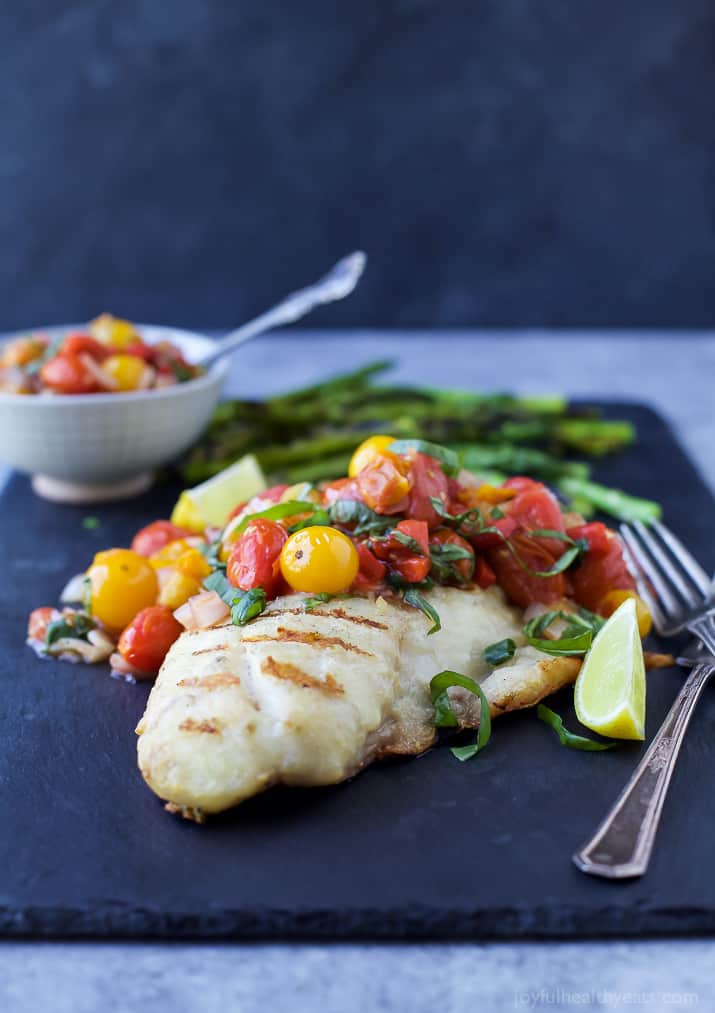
{"x":88,"y":447}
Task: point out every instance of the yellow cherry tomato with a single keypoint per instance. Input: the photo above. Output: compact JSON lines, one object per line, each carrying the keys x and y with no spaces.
{"x":193,"y":564}
{"x":112,"y":331}
{"x":178,"y":589}
{"x":121,"y":584}
{"x":127,"y":371}
{"x":366,"y":453}
{"x":319,"y":559}
{"x":22,"y":351}
{"x":613,"y":599}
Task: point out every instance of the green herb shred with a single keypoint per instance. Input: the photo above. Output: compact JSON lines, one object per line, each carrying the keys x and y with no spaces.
{"x":498,"y":653}
{"x":567,"y":738}
{"x":444,"y":716}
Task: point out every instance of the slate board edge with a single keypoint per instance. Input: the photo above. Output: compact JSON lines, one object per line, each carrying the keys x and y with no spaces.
{"x":412,"y":923}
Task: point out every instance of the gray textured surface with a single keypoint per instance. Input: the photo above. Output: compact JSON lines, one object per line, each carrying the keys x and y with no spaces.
{"x":507,"y":162}
{"x":675,"y":373}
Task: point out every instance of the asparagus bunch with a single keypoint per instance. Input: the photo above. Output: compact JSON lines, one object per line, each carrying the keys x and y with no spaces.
{"x":310,"y":434}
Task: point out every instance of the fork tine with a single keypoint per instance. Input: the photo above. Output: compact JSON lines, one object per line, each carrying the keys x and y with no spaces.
{"x":644,"y":589}
{"x":667,"y":566}
{"x":670,"y":606}
{"x":691,"y":566}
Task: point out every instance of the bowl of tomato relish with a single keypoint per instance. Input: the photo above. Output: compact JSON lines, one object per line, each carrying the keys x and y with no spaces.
{"x":92,"y":411}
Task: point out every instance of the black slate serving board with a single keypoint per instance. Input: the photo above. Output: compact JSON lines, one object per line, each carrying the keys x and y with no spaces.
{"x":421,"y":848}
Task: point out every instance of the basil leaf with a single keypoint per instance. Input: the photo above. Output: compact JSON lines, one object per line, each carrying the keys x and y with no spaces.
{"x":561,"y":564}
{"x":320,"y":599}
{"x":353,"y":514}
{"x":217,"y":582}
{"x":249,"y":605}
{"x":414,"y":598}
{"x":571,"y":643}
{"x":446,"y":457}
{"x":277,"y":512}
{"x":90,"y":523}
{"x":408,"y":541}
{"x":497,"y":513}
{"x":78,"y":624}
{"x":498,"y":653}
{"x":473,"y":514}
{"x":444,"y":558}
{"x":319,"y":517}
{"x":444,"y":716}
{"x":567,"y":738}
{"x":211,"y":554}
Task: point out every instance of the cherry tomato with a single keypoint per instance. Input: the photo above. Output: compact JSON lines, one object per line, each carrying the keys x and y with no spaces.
{"x":121,"y":583}
{"x":372,"y":570}
{"x":255,"y":557}
{"x":127,"y":371}
{"x":382,"y":484}
{"x":146,"y":640}
{"x":74,"y":344}
{"x":595,"y":533}
{"x":535,"y":508}
{"x":155,"y":536}
{"x":597,"y":574}
{"x":506,"y":527}
{"x":520,"y":482}
{"x":611,"y":601}
{"x":428,"y":481}
{"x":483,"y":576}
{"x":141,"y":351}
{"x":341,"y":488}
{"x":521,"y":586}
{"x":21,"y":352}
{"x":412,"y":566}
{"x":260,"y":501}
{"x":67,"y":374}
{"x":463,"y":568}
{"x":368,"y":451}
{"x":319,"y":559}
{"x":38,"y":622}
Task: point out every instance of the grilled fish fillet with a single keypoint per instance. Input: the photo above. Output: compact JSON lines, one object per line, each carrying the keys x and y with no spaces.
{"x":310,"y":698}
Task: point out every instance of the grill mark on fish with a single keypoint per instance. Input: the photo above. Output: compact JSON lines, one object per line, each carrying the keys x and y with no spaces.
{"x":211,"y":726}
{"x":209,"y":650}
{"x":214,"y":681}
{"x":337,"y":613}
{"x":291,"y":673}
{"x":306,"y":637}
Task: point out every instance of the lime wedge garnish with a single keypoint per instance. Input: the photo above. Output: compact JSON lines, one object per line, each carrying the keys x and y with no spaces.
{"x":213,"y":500}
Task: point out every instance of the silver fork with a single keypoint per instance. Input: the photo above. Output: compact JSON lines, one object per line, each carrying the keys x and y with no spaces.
{"x":680,"y":595}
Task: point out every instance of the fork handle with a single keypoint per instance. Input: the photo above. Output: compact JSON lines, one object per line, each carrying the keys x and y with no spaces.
{"x":622,"y":845}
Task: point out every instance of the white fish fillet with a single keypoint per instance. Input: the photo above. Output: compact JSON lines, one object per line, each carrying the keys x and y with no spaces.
{"x":309,"y":698}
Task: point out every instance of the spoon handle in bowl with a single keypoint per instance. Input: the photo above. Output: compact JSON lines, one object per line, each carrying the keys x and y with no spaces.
{"x":338,"y":283}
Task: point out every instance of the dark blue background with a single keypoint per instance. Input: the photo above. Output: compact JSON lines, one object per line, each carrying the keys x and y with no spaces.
{"x":515,"y":162}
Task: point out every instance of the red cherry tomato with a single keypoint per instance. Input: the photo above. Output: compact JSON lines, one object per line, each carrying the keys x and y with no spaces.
{"x":521,"y":586}
{"x":383,"y":486}
{"x":412,"y":566}
{"x":372,"y":570}
{"x":536,"y":508}
{"x":595,"y":533}
{"x":341,"y":488}
{"x":599,"y":573}
{"x":140,"y":350}
{"x":155,"y":536}
{"x":148,"y":637}
{"x":38,"y":622}
{"x":483,"y":576}
{"x":74,"y":344}
{"x":428,"y":481}
{"x":490,"y":539}
{"x":67,"y":374}
{"x":521,"y":483}
{"x":255,"y":558}
{"x":464,"y":568}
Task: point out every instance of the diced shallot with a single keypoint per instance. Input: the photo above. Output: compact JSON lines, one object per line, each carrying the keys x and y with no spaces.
{"x":74,"y":589}
{"x":201,"y":611}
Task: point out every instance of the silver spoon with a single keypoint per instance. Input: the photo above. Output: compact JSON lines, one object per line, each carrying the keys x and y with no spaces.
{"x":336,"y":284}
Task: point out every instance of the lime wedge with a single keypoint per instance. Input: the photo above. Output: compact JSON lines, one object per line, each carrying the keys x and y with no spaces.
{"x":213,"y":500}
{"x":610,"y":689}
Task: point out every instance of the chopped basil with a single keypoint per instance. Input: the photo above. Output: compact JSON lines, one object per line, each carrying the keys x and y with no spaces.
{"x":446,"y":457}
{"x":567,"y":738}
{"x":244,"y":605}
{"x":319,"y":517}
{"x":277,"y":512}
{"x":77,"y":625}
{"x":497,"y":513}
{"x":498,"y":653}
{"x":320,"y":599}
{"x":575,"y":639}
{"x":181,"y":372}
{"x":457,"y":520}
{"x":90,"y":523}
{"x":211,"y":554}
{"x":444,"y":557}
{"x":418,"y":601}
{"x":407,"y":540}
{"x":248,"y":605}
{"x":444,"y":716}
{"x":353,"y":514}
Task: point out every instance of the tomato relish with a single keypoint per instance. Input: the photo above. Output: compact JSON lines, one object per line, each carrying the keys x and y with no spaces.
{"x":405,"y":519}
{"x":109,"y":357}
